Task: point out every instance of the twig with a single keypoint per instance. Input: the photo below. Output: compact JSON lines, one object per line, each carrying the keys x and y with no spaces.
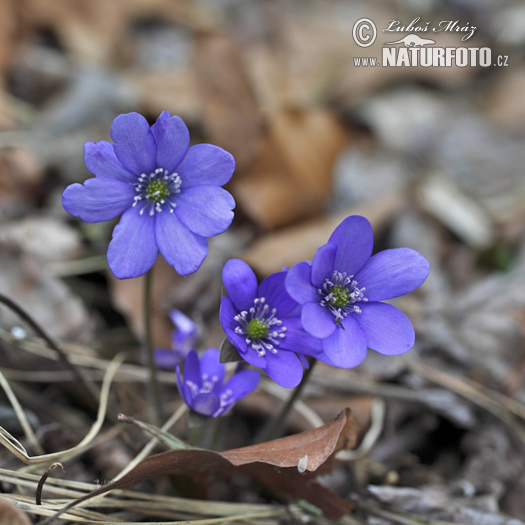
{"x":38,"y":495}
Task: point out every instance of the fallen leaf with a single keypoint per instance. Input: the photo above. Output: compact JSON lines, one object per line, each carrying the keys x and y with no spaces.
{"x":318,"y":444}
{"x":229,"y":109}
{"x":291,"y":175}
{"x":127,"y":296}
{"x":271,"y":252}
{"x":275,"y":463}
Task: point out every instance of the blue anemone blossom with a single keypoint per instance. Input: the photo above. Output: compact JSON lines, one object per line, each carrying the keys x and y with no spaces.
{"x":263,"y":323}
{"x":202,"y":387}
{"x":183,"y":339}
{"x":168,"y":193}
{"x":342,"y":289}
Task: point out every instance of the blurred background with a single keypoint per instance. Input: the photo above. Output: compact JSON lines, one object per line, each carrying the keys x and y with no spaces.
{"x":433,"y":156}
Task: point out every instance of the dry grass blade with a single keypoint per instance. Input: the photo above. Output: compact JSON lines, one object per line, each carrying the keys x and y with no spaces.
{"x":20,"y":452}
{"x":20,"y":414}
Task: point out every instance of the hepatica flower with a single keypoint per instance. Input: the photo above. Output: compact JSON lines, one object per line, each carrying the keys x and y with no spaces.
{"x":202,"y":387}
{"x":183,"y":339}
{"x":168,"y":193}
{"x":262,"y":322}
{"x":341,"y":294}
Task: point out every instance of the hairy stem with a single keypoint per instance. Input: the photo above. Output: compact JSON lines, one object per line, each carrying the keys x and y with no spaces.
{"x":148,"y":343}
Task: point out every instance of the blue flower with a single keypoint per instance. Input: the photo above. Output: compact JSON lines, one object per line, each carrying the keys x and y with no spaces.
{"x":263,"y":323}
{"x":183,"y":339}
{"x":341,"y":294}
{"x":202,"y":388}
{"x":169,"y":194}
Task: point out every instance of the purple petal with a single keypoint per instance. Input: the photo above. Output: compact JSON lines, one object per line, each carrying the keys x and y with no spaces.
{"x":298,"y":284}
{"x":192,"y":369}
{"x":392,"y":273}
{"x":98,"y":200}
{"x":167,"y":359}
{"x":186,"y":333}
{"x":182,"y":249}
{"x":206,"y":164}
{"x":132,"y":250}
{"x":242,"y":383}
{"x":317,"y":320}
{"x":212,"y":367}
{"x":254,"y":359}
{"x":227,"y":312}
{"x":182,"y":322}
{"x":240,"y":283}
{"x":273,"y":290}
{"x":205,"y":210}
{"x":354,"y":239}
{"x":172,"y":138}
{"x":323,"y":264}
{"x":100,"y":159}
{"x":387,"y":330}
{"x":345,"y":348}
{"x":134,"y":143}
{"x":285,"y":368}
{"x":297,"y":339}
{"x":206,"y":403}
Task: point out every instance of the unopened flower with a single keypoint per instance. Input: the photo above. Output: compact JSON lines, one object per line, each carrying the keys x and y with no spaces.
{"x":342,"y":289}
{"x":202,"y":387}
{"x":263,"y":323}
{"x":183,"y":339}
{"x":169,"y":194}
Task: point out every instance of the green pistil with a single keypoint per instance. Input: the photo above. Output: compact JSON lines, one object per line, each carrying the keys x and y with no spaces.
{"x":256,"y":329}
{"x":340,"y":297}
{"x":157,"y":190}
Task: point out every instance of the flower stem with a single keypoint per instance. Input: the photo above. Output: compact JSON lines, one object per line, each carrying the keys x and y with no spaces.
{"x":148,"y":342}
{"x":274,"y":428}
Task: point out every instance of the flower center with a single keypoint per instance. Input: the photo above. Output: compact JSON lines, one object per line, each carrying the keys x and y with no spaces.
{"x":340,"y":294}
{"x":256,"y":329}
{"x":260,"y":327}
{"x":157,"y":191}
{"x":208,"y":385}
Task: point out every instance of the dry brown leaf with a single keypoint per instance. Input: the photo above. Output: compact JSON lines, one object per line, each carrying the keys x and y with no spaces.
{"x":20,"y":177}
{"x":229,"y":109}
{"x":318,"y":444}
{"x":10,"y":515}
{"x":127,"y":296}
{"x":284,"y":465}
{"x":175,"y":92}
{"x":270,"y":253}
{"x":291,"y":176}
